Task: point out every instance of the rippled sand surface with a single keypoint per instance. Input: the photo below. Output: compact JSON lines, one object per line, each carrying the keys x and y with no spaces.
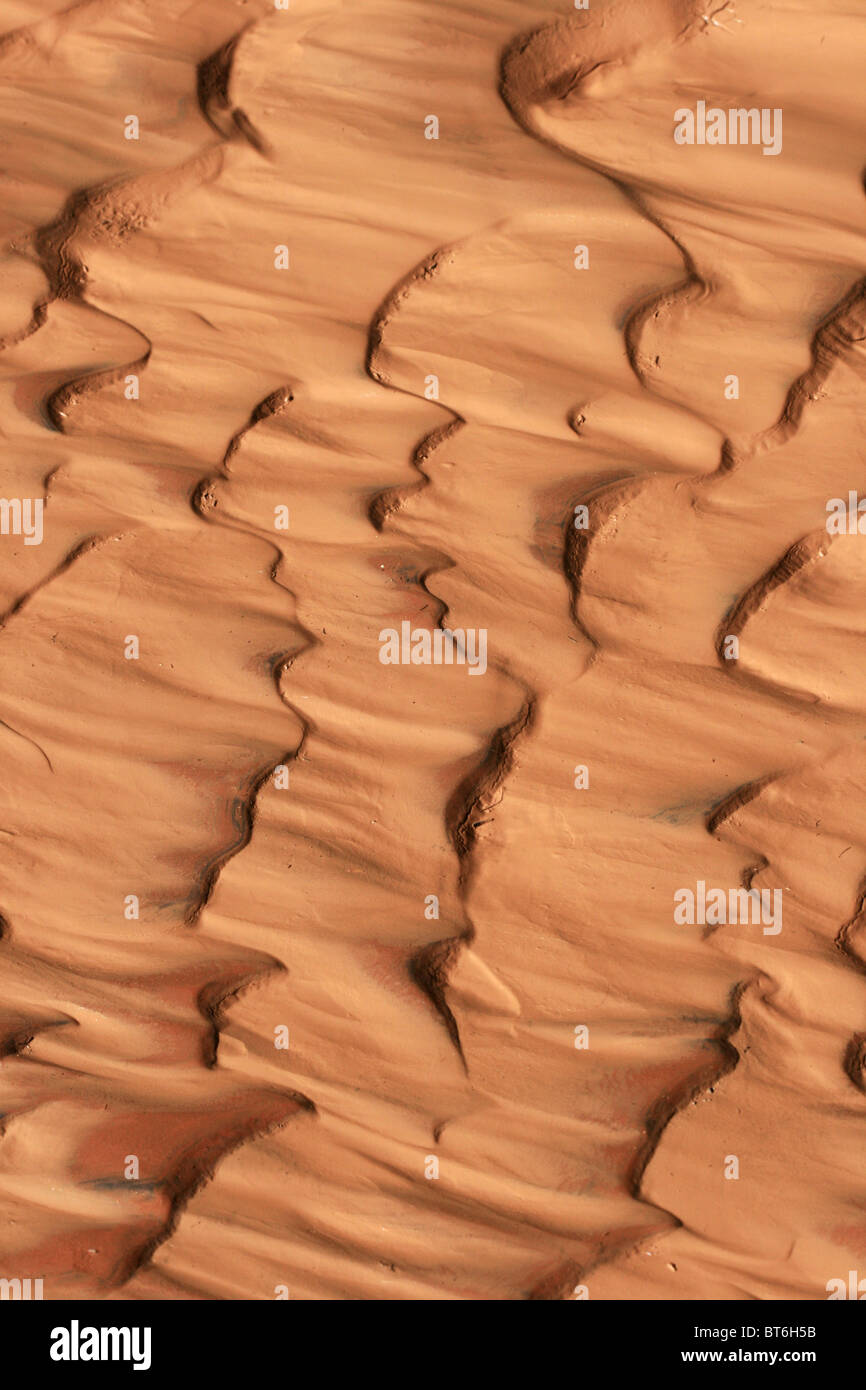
{"x":333,"y":979}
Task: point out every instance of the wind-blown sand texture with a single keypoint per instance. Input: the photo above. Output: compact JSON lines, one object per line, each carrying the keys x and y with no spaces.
{"x":282,"y":805}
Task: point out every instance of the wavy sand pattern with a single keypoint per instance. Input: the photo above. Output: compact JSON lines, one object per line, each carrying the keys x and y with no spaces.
{"x":286,"y":373}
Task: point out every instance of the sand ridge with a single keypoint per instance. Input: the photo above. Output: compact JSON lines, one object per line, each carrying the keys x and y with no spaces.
{"x":282,"y":807}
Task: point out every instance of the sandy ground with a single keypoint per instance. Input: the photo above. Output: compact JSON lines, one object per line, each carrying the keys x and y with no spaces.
{"x":285,"y":372}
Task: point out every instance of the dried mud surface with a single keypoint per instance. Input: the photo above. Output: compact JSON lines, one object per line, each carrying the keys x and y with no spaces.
{"x":278,"y":806}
